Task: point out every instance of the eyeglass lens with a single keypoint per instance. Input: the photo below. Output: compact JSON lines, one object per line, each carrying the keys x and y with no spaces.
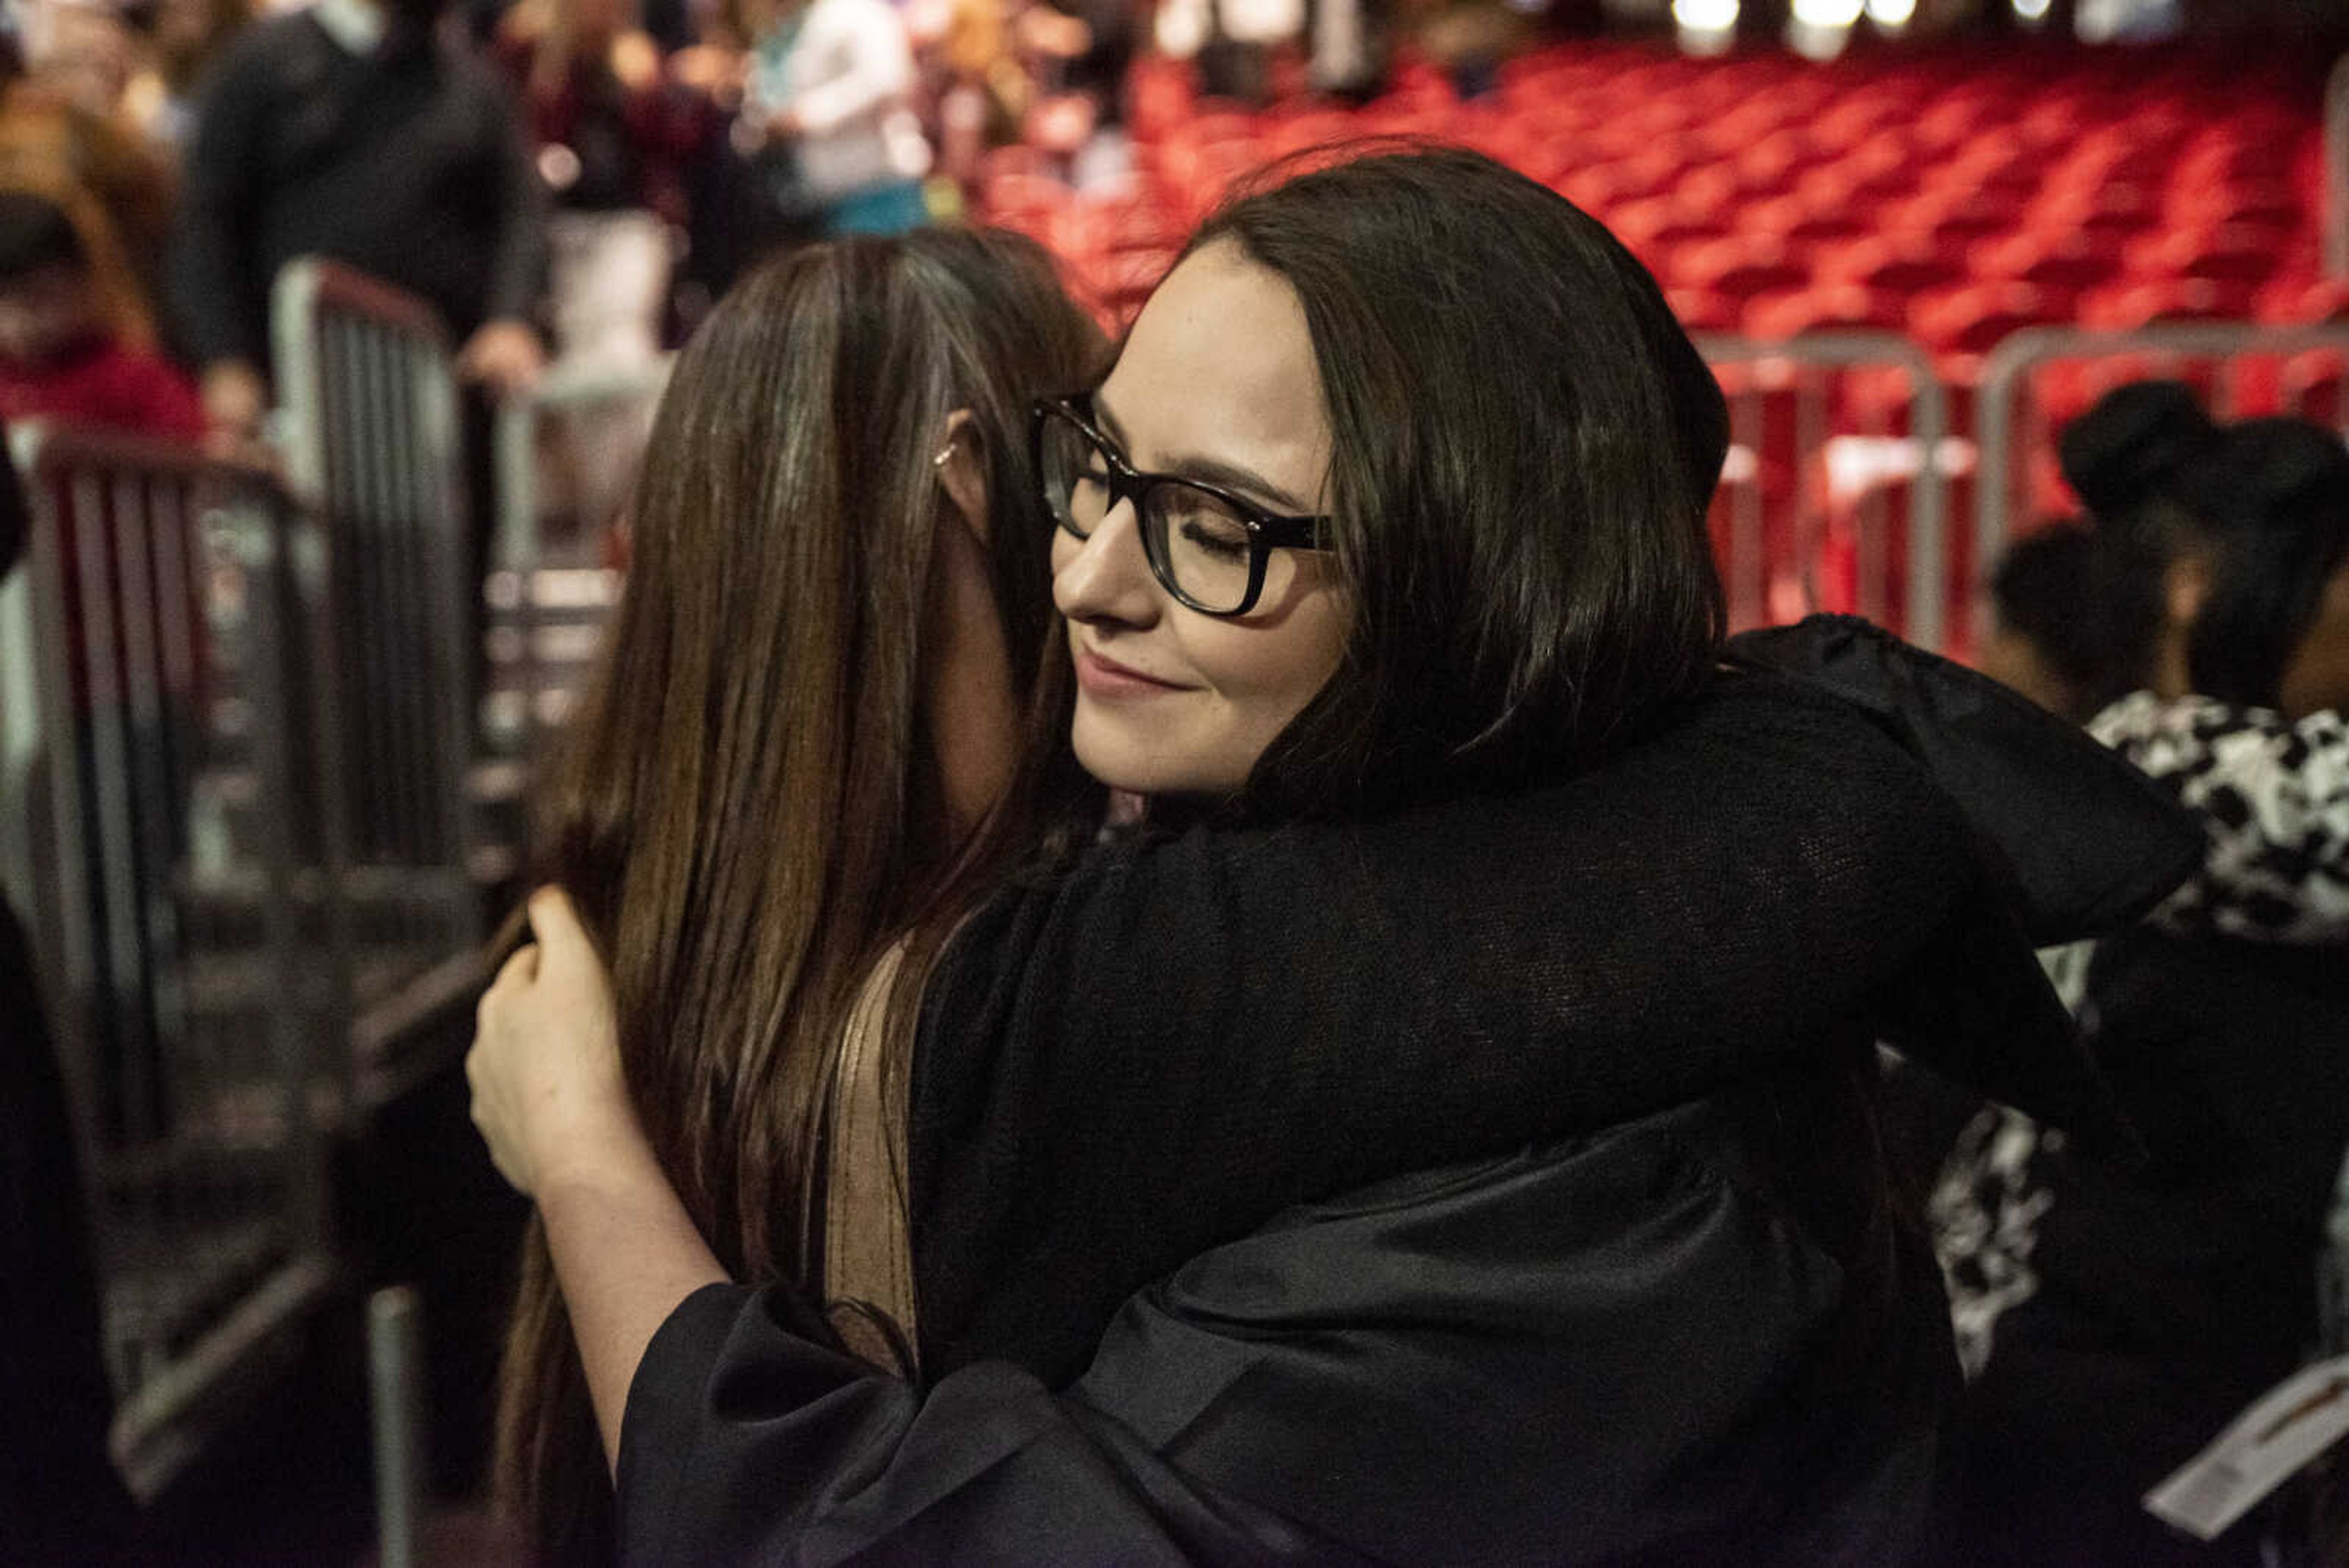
{"x":1197,"y":538}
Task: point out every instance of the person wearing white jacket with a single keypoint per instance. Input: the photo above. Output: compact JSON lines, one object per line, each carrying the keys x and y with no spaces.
{"x":834,"y":80}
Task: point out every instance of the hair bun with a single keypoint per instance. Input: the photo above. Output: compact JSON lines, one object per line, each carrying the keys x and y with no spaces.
{"x":2271,"y":472}
{"x":2133,"y":444}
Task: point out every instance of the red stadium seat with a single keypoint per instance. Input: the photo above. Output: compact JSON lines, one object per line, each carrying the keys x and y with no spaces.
{"x":1740,"y":267}
{"x":1699,"y":311}
{"x":1960,"y":218}
{"x":1295,"y":133}
{"x":2067,"y":263}
{"x":1005,"y":198}
{"x":2107,"y":214}
{"x":1795,"y":223}
{"x":2124,"y":307}
{"x":2316,"y":386}
{"x":1973,"y":318}
{"x":2290,"y":301}
{"x":2262,"y":203}
{"x":1824,"y":308}
{"x":1659,"y":224}
{"x":2229,"y":254}
{"x":1003,"y":162}
{"x":1899,"y":264}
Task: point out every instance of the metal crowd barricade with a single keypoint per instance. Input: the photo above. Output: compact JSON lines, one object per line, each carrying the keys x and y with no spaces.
{"x":2036,"y":381}
{"x":1835,"y":492}
{"x":373,"y":438}
{"x":170,"y":843}
{"x":2336,"y":170}
{"x":567,"y":459}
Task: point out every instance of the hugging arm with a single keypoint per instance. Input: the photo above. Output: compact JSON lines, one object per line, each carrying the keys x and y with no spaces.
{"x":1156,"y":1054}
{"x":1402,"y":1376}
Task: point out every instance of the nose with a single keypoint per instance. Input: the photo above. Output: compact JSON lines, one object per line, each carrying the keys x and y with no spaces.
{"x":1105,"y":577}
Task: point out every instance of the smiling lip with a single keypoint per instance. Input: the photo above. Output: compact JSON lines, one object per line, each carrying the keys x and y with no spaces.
{"x":1102,"y":677}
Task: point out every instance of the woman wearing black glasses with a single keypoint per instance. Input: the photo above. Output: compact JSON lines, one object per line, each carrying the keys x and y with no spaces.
{"x":1444,"y":1131}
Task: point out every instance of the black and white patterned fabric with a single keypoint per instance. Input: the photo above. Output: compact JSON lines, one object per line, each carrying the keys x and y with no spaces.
{"x":2273,"y":796}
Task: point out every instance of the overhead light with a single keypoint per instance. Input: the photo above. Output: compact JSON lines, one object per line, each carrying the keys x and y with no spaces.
{"x":2033,"y":10}
{"x":1892,"y":14}
{"x":1707,"y":27}
{"x":1705,"y":16}
{"x":1828,"y":13}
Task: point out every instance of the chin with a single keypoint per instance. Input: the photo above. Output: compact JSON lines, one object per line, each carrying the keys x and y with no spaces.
{"x":1117,"y":766}
{"x":1123,"y":762}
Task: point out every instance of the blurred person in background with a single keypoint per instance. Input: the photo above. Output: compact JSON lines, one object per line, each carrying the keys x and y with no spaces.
{"x":2080,"y":606}
{"x":1471,"y":39}
{"x":729,"y":221}
{"x":613,"y":131}
{"x":2134,"y":1311}
{"x":347,"y":131}
{"x":1348,"y":47}
{"x":610,"y":129}
{"x":2128,"y":459}
{"x":84,"y":51}
{"x":1233,"y":41}
{"x":828,"y":108}
{"x":2047,"y":640}
{"x":62,"y":355}
{"x":186,"y":37}
{"x":979,"y":89}
{"x":64,"y":136}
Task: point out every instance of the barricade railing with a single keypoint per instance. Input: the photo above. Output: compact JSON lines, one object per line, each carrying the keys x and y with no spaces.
{"x":373,"y":438}
{"x":171,"y":840}
{"x":2336,"y":170}
{"x":2037,"y":380}
{"x":567,"y":459}
{"x":1835,"y":493}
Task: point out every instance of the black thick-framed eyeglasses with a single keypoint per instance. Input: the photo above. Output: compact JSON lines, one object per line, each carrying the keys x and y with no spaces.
{"x":1207,"y":546}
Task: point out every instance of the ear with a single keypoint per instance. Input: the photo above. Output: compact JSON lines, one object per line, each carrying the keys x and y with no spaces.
{"x":962,"y":474}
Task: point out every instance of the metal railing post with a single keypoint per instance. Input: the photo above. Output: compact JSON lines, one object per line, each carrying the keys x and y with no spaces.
{"x":1805,"y":357}
{"x":396,"y":1407}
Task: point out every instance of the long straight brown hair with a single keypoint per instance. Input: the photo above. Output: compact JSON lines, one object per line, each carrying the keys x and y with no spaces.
{"x":746,"y":809}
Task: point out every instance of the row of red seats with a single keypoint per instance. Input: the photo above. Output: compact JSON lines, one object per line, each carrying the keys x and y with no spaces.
{"x":1952,"y":196}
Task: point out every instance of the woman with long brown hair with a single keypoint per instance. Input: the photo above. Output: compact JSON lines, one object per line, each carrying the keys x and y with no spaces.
{"x":808,"y":704}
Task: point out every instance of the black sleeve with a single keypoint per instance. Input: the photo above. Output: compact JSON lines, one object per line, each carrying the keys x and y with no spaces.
{"x":213,"y":290}
{"x":1174,"y":1042}
{"x":61,"y":1502}
{"x":518,"y":258}
{"x":1561,"y":1356}
{"x":2085,"y":843}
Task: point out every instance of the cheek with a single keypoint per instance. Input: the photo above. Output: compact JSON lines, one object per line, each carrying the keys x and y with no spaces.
{"x":1268,"y":673}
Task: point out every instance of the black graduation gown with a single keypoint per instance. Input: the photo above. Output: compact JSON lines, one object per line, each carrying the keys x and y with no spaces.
{"x":1144,"y":1340}
{"x":61,"y":1502}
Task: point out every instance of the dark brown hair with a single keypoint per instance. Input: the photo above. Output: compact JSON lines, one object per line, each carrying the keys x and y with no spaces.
{"x":745,"y":810}
{"x":1524,"y":442}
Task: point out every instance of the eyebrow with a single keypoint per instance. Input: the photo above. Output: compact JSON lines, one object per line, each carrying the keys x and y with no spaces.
{"x":1212,"y":471}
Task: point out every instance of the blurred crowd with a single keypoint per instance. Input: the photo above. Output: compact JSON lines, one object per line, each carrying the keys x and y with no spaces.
{"x":565,"y":181}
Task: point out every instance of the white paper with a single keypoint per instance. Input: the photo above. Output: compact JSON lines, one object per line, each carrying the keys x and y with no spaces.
{"x":2289,"y":1425}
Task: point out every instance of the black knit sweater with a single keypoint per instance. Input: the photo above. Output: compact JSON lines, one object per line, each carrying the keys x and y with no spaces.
{"x":1187,"y":1036}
